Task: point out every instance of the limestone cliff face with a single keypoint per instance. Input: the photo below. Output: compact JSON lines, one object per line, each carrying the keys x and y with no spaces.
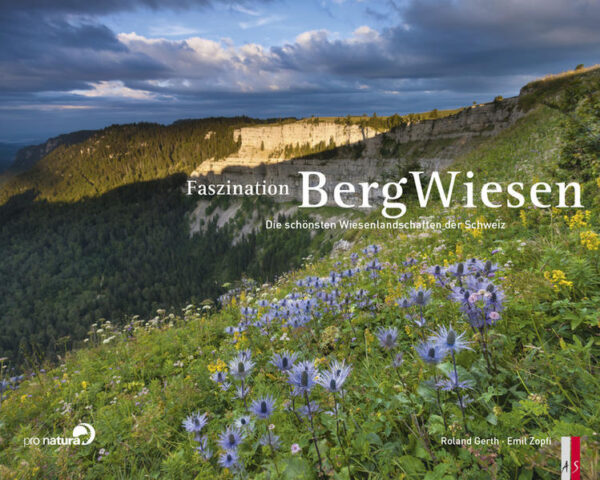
{"x":360,"y":154}
{"x":267,"y":144}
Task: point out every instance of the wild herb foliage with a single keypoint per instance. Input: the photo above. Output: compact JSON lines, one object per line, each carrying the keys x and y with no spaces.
{"x":581,"y":151}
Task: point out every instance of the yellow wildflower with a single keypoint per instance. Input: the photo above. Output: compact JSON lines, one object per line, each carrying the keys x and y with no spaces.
{"x":555,"y":212}
{"x":84,"y":385}
{"x":476,"y":232}
{"x":590,"y":240}
{"x":219,"y":366}
{"x":320,"y":361}
{"x":558,"y":279}
{"x":523,"y":217}
{"x":578,"y":220}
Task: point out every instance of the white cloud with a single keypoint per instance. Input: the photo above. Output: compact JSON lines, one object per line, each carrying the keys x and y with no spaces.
{"x":46,"y":107}
{"x":247,"y":11}
{"x":114,"y":88}
{"x":173,"y":30}
{"x":200,"y":64}
{"x":260,"y":22}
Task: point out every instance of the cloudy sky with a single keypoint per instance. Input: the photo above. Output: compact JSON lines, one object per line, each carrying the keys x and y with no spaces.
{"x":71,"y":64}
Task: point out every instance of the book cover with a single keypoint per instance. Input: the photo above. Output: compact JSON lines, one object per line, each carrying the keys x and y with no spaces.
{"x":332,"y":239}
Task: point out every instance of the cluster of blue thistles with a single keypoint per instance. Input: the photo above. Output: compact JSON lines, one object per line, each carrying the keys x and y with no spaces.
{"x":469,"y":284}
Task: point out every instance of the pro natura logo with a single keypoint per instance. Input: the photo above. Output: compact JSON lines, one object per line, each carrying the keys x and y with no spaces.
{"x":83,"y":434}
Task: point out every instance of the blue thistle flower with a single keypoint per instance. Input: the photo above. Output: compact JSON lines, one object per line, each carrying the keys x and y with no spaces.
{"x":418,"y":320}
{"x":231,"y":438}
{"x":373,"y":265}
{"x":437,"y":271}
{"x":270,"y":440}
{"x":448,"y":340}
{"x":457,"y":270}
{"x":387,"y":337}
{"x":241,"y":393}
{"x":405,"y":277}
{"x":338,"y":367}
{"x":404,"y":302}
{"x":489,"y":268}
{"x":453,"y":383}
{"x":241,"y":366}
{"x":334,"y":278}
{"x":460,"y":295}
{"x":420,"y":297}
{"x":304,"y":410}
{"x":303,"y":376}
{"x":360,"y":293}
{"x":371,"y":249}
{"x":195,"y":422}
{"x":248,"y":312}
{"x":398,"y":360}
{"x":203,"y":448}
{"x":430,"y":352}
{"x":225,"y":386}
{"x":245,"y":354}
{"x":284,"y":361}
{"x":244,"y":422}
{"x":4,"y":385}
{"x":219,"y":377}
{"x":495,"y":299}
{"x":229,"y":459}
{"x":263,"y":407}
{"x":474,"y":265}
{"x":333,"y":379}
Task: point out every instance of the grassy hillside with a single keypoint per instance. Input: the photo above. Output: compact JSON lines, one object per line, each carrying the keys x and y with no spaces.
{"x":531,"y":368}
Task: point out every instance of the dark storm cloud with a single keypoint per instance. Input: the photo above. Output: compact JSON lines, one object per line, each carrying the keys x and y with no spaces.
{"x":431,"y":39}
{"x":61,"y":45}
{"x":444,"y":38}
{"x":27,"y":36}
{"x":423,"y":54}
{"x":103,"y":6}
{"x":47,"y":52}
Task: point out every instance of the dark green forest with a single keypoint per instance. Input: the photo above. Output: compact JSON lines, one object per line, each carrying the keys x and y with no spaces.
{"x":65,"y":265}
{"x":123,"y":154}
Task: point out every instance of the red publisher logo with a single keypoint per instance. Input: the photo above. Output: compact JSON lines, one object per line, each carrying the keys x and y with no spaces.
{"x":570,"y":458}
